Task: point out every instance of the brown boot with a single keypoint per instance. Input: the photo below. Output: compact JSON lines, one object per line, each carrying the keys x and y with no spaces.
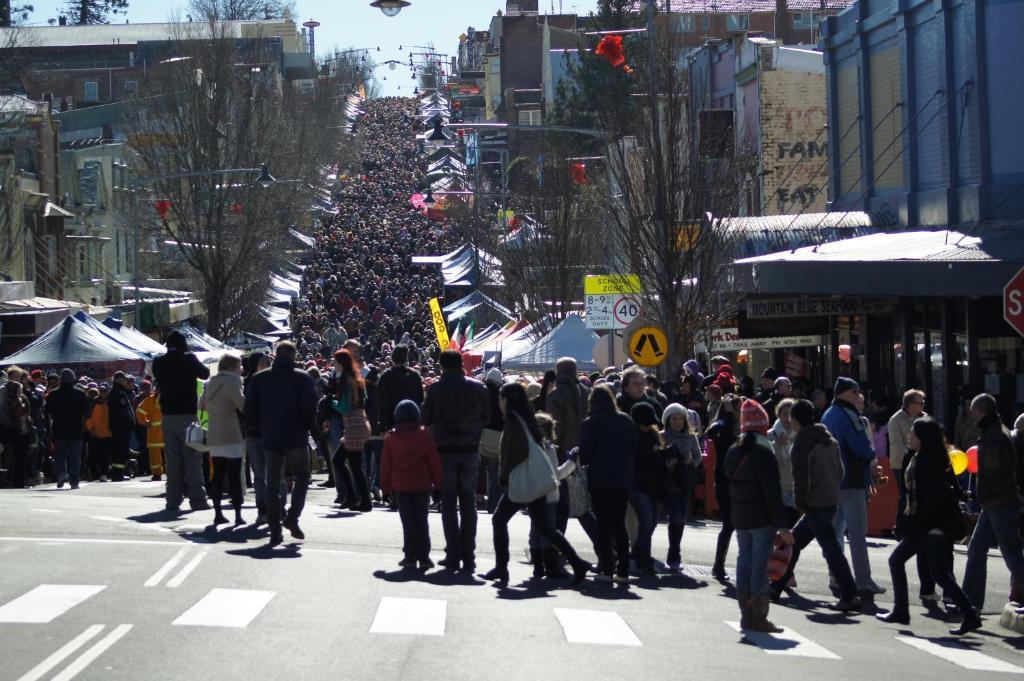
{"x":745,"y":615}
{"x":759,"y":615}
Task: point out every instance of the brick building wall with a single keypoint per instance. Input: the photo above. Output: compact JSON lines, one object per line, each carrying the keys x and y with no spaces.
{"x":793,"y":144}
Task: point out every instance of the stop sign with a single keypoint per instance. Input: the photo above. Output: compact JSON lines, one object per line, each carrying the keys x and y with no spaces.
{"x":1013,"y":302}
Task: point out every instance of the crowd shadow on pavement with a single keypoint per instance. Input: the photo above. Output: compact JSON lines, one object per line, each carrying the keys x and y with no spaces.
{"x":267,"y":552}
{"x":435,"y":577}
{"x":767,"y":642}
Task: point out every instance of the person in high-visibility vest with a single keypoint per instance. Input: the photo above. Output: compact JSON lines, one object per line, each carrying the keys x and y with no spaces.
{"x":149,"y":414}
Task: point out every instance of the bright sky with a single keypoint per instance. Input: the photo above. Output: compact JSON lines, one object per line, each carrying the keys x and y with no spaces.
{"x":353,"y":23}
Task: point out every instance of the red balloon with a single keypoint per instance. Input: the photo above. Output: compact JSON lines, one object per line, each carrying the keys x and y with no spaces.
{"x":972,"y":460}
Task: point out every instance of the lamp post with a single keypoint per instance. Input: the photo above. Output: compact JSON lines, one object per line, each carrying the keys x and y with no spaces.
{"x":264,"y":180}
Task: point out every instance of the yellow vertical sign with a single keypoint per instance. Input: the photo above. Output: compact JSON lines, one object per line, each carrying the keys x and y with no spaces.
{"x":440,"y":328}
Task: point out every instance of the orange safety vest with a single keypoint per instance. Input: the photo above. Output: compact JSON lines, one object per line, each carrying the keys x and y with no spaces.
{"x":149,"y":414}
{"x":98,"y":423}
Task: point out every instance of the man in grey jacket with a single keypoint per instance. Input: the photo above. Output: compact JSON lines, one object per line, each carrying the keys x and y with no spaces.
{"x":817,"y":476}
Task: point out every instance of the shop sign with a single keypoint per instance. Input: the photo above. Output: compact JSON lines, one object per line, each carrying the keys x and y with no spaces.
{"x":769,"y":343}
{"x":820,"y":306}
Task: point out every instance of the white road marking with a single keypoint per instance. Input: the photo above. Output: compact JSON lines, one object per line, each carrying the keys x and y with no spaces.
{"x":226,"y":608}
{"x":159,"y":575}
{"x":787,"y":643}
{"x":601,"y":627}
{"x":418,"y":616}
{"x":960,"y":655}
{"x":45,"y":510}
{"x":64,"y":651}
{"x":177,"y":579}
{"x":47,"y":602}
{"x":109,"y":519}
{"x":86,"y":658}
{"x":69,"y":540}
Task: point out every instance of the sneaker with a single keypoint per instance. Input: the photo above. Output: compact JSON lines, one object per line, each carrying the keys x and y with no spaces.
{"x":871,"y":588}
{"x":931,"y":598}
{"x":893,"y":617}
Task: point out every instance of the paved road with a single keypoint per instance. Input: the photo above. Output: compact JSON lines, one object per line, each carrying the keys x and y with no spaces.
{"x":99,"y":584}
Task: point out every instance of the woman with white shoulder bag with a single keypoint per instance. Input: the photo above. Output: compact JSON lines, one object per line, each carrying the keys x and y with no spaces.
{"x":528,"y":477}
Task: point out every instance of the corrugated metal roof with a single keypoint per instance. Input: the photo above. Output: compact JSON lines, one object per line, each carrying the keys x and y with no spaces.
{"x":746,"y":6}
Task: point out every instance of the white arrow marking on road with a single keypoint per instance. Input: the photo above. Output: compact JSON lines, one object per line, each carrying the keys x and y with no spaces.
{"x":52,"y":661}
{"x":418,"y":616}
{"x":960,"y":655}
{"x":601,"y":627}
{"x":787,"y":643}
{"x":177,"y":579}
{"x":86,"y":658}
{"x":47,"y":602}
{"x":226,"y":608}
{"x":159,"y":575}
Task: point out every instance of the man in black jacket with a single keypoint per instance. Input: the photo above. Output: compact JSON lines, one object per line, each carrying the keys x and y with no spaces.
{"x":455,"y":410}
{"x":67,"y":408}
{"x":122,"y":423}
{"x":396,"y":384}
{"x":176,"y":374}
{"x":282,"y":401}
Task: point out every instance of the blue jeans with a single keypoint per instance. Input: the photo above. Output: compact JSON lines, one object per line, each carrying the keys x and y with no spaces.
{"x":458,"y":505}
{"x":816,"y":523}
{"x":371,"y":461}
{"x":67,"y":458}
{"x":254,"y":453}
{"x":996,"y":527}
{"x":752,"y":561}
{"x":645,"y":508}
{"x":297,"y":459}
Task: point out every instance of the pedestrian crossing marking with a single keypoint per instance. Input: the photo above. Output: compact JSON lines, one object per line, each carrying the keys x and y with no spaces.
{"x":63,"y":652}
{"x":600,"y":627}
{"x":90,"y":655}
{"x":416,"y":616}
{"x":47,"y":602}
{"x":960,"y":655}
{"x":788,"y":643}
{"x":177,"y":579}
{"x":165,"y":570}
{"x":234,"y":608}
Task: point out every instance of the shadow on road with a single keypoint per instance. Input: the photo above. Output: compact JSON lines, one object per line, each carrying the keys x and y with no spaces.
{"x":437,"y":577}
{"x":267,"y":552}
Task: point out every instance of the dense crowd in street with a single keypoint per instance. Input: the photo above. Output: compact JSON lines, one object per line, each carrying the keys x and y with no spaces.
{"x":395,"y":420}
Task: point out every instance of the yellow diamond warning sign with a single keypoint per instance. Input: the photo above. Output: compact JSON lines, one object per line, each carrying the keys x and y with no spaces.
{"x":648,"y":346}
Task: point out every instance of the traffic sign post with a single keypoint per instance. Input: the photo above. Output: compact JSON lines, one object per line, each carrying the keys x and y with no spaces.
{"x":648,"y":345}
{"x":611,"y":302}
{"x":1013,"y":302}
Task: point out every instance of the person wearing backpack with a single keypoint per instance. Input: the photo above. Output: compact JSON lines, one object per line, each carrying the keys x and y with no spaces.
{"x":817,"y":475}
{"x":520,"y":437}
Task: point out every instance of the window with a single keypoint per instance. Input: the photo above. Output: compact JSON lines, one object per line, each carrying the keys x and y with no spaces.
{"x":805,"y":20}
{"x":705,"y":22}
{"x":131,"y":87}
{"x":687,"y":23}
{"x":532,"y":117}
{"x":92,"y":91}
{"x":738,"y":22}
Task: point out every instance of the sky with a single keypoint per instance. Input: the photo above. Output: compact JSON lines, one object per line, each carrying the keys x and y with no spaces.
{"x":354,"y":24}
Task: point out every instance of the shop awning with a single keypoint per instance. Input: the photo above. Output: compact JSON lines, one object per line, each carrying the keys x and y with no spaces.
{"x":956,"y":262}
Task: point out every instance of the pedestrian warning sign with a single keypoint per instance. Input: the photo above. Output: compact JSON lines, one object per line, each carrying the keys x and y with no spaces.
{"x":648,"y":346}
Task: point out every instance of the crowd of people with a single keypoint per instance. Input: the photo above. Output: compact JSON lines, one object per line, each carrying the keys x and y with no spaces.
{"x":396,"y":420}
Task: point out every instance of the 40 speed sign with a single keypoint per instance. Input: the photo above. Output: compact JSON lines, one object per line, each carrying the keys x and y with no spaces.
{"x":611,"y":311}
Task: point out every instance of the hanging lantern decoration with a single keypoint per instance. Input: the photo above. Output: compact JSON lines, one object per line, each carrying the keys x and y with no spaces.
{"x":163,"y":207}
{"x":578,"y":172}
{"x":611,"y":49}
{"x":237,"y":208}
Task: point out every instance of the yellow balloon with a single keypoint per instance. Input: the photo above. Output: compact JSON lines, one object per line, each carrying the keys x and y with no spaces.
{"x":959,"y":461}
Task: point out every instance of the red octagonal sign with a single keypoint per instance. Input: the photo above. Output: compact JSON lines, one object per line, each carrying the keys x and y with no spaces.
{"x":1013,"y":302}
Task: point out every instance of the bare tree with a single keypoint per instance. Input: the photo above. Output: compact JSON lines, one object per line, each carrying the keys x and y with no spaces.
{"x":558,"y":239}
{"x":241,"y":10}
{"x":224,"y":107}
{"x":671,"y":167}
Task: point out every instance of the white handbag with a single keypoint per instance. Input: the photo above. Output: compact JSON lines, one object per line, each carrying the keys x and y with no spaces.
{"x":195,"y":437}
{"x":533,"y":478}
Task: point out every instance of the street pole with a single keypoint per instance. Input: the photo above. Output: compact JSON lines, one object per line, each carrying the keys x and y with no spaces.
{"x":135,"y":259}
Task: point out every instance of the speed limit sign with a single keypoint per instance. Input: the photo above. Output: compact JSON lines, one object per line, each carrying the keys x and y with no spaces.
{"x":627,"y":308}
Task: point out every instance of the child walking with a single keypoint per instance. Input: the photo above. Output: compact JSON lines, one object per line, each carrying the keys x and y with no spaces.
{"x":409,"y":469}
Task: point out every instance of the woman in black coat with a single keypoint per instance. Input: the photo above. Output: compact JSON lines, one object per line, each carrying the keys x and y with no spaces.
{"x":933,"y":519}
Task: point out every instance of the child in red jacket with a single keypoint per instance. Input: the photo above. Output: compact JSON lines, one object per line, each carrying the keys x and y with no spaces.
{"x":410,"y":468}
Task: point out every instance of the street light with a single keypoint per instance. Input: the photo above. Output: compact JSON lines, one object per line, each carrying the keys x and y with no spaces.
{"x":390,"y":8}
{"x":265,"y":179}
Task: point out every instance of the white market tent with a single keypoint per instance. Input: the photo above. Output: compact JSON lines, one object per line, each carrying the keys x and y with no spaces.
{"x":571,"y":338}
